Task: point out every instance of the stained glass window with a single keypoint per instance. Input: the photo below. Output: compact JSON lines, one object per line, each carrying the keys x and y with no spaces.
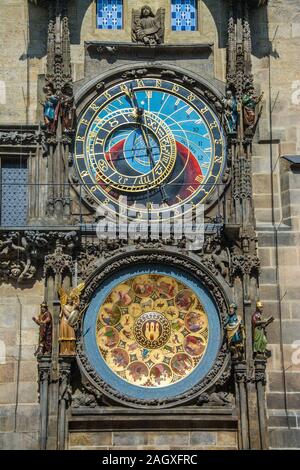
{"x":184,"y":15}
{"x":109,"y":14}
{"x":13,"y":192}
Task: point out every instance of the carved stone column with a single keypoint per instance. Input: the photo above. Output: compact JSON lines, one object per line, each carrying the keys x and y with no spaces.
{"x":58,"y":270}
{"x":58,"y":136}
{"x":65,"y":395}
{"x":260,"y":380}
{"x":240,"y":377}
{"x":44,"y":365}
{"x":61,"y":265}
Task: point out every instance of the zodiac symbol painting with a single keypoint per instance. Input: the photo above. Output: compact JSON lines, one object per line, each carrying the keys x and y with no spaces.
{"x":152,"y":330}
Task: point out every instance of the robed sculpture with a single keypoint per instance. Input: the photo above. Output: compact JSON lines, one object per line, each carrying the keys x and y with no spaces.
{"x":69,"y":316}
{"x":148,"y":28}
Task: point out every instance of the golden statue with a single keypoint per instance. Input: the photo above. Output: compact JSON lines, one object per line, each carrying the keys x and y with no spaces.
{"x":69,"y":316}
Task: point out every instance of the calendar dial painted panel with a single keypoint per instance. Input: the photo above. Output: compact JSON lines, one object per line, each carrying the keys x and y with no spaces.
{"x":151,"y":331}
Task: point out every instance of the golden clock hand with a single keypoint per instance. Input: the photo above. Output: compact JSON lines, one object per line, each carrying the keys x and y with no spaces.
{"x":138,"y":112}
{"x":150,"y":155}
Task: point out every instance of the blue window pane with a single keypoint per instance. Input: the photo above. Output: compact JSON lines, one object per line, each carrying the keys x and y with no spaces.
{"x":13,"y":193}
{"x":109,"y":14}
{"x":184,"y":15}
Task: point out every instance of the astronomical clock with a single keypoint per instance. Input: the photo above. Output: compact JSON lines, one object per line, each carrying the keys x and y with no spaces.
{"x":152,"y":331}
{"x":152,"y":140}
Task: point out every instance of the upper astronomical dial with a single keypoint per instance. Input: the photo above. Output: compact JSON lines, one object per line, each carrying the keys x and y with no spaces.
{"x":152,"y":140}
{"x":121,"y":153}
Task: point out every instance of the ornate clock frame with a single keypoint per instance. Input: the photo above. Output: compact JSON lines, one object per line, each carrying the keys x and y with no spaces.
{"x":221,"y":367}
{"x":199,"y":85}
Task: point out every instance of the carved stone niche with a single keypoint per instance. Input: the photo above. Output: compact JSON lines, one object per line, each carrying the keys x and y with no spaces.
{"x":220,"y":368}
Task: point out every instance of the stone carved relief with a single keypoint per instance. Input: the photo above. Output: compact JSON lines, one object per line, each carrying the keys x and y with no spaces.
{"x":216,"y":256}
{"x":244,"y":260}
{"x":43,"y":370}
{"x":21,"y":252}
{"x":17,"y":138}
{"x":254,"y":375}
{"x":244,"y":264}
{"x":58,"y":262}
{"x":147,"y":28}
{"x":135,"y":73}
{"x":215,"y":399}
{"x":213,"y":254}
{"x":65,"y":390}
{"x":82,"y":398}
{"x":92,"y":254}
{"x":86,"y":396}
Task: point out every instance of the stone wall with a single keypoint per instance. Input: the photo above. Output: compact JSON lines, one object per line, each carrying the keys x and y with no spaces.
{"x":23,"y":30}
{"x":19,"y":407}
{"x":277,"y":201}
{"x":162,"y":440}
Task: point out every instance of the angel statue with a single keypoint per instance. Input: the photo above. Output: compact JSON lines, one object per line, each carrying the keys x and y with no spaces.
{"x":69,"y":316}
{"x":148,"y":28}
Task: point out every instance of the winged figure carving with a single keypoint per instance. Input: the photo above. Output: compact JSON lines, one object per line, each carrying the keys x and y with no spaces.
{"x":148,"y":28}
{"x":73,"y":294}
{"x":69,"y":316}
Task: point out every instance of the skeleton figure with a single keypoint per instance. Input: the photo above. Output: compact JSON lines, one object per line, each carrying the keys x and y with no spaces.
{"x":67,"y":108}
{"x":148,"y":28}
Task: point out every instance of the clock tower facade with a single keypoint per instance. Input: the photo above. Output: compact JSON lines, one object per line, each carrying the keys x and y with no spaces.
{"x":149,"y":224}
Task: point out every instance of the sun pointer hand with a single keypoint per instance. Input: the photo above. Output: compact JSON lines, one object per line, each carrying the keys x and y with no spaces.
{"x":138,"y":112}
